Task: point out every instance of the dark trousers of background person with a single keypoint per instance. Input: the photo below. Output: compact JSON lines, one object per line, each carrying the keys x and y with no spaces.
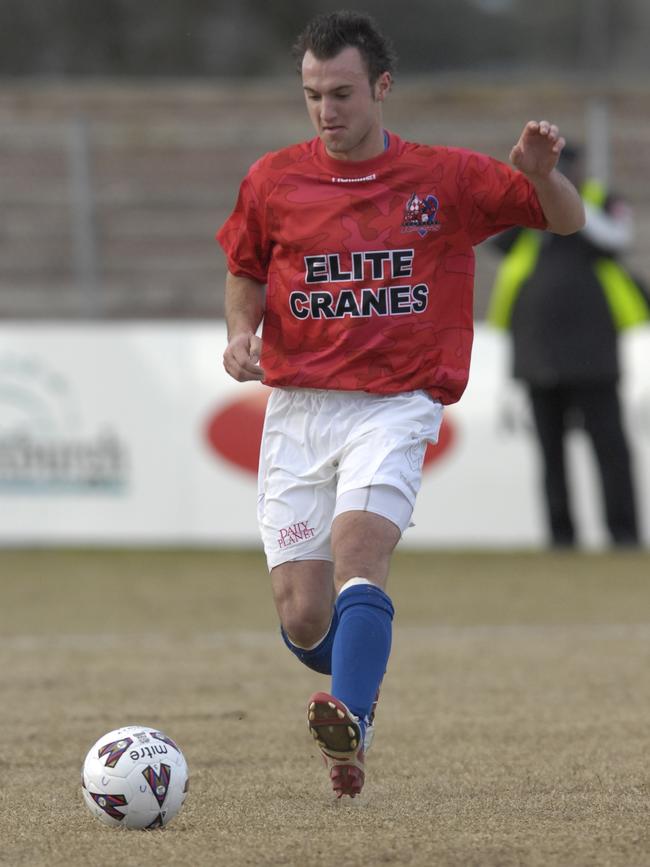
{"x":597,"y":409}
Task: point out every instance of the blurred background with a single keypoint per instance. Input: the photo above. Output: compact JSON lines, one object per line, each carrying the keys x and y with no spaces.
{"x":125,"y":130}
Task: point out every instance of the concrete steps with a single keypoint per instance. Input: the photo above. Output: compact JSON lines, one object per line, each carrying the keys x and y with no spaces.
{"x":166,"y":159}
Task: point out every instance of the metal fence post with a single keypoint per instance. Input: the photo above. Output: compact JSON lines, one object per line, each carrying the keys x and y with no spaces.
{"x":84,"y":240}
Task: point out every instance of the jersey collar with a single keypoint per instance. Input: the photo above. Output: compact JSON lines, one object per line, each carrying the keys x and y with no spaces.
{"x":356,"y":168}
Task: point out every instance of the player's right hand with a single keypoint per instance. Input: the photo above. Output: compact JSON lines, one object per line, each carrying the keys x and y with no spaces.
{"x":241,"y":358}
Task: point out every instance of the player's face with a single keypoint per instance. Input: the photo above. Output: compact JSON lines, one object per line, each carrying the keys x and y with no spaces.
{"x":345,"y":109}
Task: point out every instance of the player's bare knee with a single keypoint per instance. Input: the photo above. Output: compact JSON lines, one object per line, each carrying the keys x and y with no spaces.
{"x":306,"y":625}
{"x":304,"y":596}
{"x":304,"y":616}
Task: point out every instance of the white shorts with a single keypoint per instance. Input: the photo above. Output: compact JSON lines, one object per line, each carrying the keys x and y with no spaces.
{"x":324,"y":452}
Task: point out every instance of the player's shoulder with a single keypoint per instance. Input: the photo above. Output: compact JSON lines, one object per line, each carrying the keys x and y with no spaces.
{"x":446,"y":154}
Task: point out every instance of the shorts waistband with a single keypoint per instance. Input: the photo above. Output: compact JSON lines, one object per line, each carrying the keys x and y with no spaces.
{"x":287,"y":389}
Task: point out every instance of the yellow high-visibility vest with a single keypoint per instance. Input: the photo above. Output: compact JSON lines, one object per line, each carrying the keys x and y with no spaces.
{"x":625,"y":299}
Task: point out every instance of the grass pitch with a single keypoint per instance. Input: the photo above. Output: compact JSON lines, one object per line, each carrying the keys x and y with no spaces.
{"x":512,"y":727}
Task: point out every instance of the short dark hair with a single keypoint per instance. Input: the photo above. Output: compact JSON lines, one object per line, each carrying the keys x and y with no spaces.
{"x":328,"y":34}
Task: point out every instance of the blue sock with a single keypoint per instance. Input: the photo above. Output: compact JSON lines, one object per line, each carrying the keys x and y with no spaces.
{"x":362,"y":646}
{"x":319,"y":658}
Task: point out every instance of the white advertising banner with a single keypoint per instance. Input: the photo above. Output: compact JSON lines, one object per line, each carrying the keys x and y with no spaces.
{"x":133,"y":434}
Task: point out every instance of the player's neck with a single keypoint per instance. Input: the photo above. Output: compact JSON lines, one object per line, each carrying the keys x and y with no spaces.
{"x":369,"y":148}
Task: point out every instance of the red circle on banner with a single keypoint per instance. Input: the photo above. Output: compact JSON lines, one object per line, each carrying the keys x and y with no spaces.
{"x":446,"y":439}
{"x":234,"y":432}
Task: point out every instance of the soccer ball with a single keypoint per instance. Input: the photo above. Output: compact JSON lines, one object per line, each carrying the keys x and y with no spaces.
{"x":134,"y":777}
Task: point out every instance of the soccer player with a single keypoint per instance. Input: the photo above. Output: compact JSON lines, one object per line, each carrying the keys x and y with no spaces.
{"x":355,"y":250}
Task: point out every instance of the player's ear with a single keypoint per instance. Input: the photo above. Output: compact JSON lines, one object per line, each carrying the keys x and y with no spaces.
{"x":382,"y":86}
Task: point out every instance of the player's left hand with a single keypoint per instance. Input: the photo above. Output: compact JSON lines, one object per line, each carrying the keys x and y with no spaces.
{"x":538,"y":149}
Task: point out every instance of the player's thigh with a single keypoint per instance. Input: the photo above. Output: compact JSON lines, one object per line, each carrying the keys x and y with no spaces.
{"x":387,"y":448}
{"x":296,"y":486}
{"x":295,"y":522}
{"x":362,"y":545}
{"x":368,"y":524}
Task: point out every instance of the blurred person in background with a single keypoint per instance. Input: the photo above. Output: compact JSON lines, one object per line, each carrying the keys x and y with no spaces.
{"x":356,"y":250}
{"x":565,"y":300}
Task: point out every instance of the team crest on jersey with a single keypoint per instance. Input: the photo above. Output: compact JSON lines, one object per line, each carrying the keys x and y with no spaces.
{"x":421,"y":215}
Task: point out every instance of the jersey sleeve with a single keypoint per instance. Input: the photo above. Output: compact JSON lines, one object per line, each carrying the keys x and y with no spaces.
{"x":244,"y":236}
{"x":498,"y":197}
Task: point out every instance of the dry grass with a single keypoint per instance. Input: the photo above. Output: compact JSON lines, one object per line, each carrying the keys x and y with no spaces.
{"x":512,"y":729}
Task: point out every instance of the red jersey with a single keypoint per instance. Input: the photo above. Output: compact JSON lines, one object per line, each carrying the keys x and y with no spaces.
{"x":369,"y":266}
